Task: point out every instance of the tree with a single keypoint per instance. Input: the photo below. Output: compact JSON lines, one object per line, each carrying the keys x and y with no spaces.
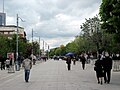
{"x":110,"y":16}
{"x":4,"y":47}
{"x":8,"y":44}
{"x":52,"y":52}
{"x":58,"y":51}
{"x":63,"y":50}
{"x":71,"y":47}
{"x":35,"y":48}
{"x":92,"y":31}
{"x":83,"y":44}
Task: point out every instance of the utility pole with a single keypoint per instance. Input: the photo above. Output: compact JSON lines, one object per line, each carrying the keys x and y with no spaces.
{"x":32,"y":45}
{"x":17,"y":54}
{"x":48,"y":51}
{"x":43,"y":47}
{"x":17,"y":62}
{"x":39,"y":47}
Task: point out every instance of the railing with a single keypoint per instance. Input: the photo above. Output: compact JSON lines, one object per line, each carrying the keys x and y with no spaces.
{"x":116,"y":65}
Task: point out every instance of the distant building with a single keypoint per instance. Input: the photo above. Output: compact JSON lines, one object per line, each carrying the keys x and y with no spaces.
{"x":2,"y":19}
{"x":10,"y":30}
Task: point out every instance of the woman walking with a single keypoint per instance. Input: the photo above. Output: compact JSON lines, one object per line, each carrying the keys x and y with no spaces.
{"x":99,"y":70}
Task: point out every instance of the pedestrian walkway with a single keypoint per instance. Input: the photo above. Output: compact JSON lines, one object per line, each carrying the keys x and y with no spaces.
{"x":53,"y":75}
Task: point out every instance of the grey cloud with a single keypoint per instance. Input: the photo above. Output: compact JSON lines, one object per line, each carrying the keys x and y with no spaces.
{"x":41,"y":16}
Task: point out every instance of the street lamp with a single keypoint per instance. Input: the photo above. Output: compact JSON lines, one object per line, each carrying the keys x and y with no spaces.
{"x":17,"y":62}
{"x":39,"y":48}
{"x":32,"y":52}
{"x":48,"y":51}
{"x":17,"y":65}
{"x":32,"y":46}
{"x":46,"y":45}
{"x":43,"y":47}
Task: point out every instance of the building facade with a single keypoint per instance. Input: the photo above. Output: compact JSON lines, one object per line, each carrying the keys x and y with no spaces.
{"x":10,"y":30}
{"x":2,"y":19}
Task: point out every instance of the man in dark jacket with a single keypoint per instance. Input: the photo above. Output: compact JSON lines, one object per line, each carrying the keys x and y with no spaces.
{"x":68,"y":61}
{"x":83,"y":60}
{"x":107,"y":66}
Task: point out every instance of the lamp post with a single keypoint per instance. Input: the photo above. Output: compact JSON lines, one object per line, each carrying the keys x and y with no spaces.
{"x":17,"y":61}
{"x":48,"y":51}
{"x":17,"y":64}
{"x":39,"y":48}
{"x":43,"y":47}
{"x":32,"y":44}
{"x":32,"y":52}
{"x":46,"y":45}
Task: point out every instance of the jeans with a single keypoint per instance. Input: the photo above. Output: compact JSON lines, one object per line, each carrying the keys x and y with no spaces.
{"x":27,"y":73}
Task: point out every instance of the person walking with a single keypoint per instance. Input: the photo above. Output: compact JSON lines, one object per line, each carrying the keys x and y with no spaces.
{"x":7,"y":62}
{"x":99,"y":70}
{"x":107,"y":66}
{"x":83,"y":60}
{"x":2,"y":63}
{"x":74,"y":60}
{"x":27,"y":64}
{"x":68,"y":61}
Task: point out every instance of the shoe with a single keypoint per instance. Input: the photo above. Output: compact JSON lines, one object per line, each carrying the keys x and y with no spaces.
{"x":98,"y":82}
{"x":27,"y":81}
{"x":101,"y":83}
{"x":104,"y":81}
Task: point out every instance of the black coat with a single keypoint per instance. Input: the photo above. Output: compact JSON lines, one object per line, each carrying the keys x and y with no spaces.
{"x":83,"y":59}
{"x":107,"y":63}
{"x":68,"y":61}
{"x":99,"y":68}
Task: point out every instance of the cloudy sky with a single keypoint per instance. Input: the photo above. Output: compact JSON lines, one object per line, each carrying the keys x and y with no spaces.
{"x":57,"y":22}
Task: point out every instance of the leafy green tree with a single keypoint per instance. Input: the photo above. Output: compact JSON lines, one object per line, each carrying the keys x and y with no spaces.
{"x":3,"y":46}
{"x":92,"y":31}
{"x":58,"y":51}
{"x":8,"y":44}
{"x":110,"y":16}
{"x":35,"y":48}
{"x":83,"y":44}
{"x":63,"y":50}
{"x":71,"y":47}
{"x":52,"y":52}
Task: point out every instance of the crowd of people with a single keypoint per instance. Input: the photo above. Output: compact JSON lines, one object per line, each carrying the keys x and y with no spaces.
{"x":23,"y":62}
{"x":5,"y":63}
{"x":102,"y":66}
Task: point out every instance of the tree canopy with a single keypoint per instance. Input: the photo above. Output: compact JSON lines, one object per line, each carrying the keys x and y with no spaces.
{"x":110,"y":17}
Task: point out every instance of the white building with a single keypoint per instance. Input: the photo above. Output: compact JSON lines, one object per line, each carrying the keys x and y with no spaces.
{"x":10,"y":30}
